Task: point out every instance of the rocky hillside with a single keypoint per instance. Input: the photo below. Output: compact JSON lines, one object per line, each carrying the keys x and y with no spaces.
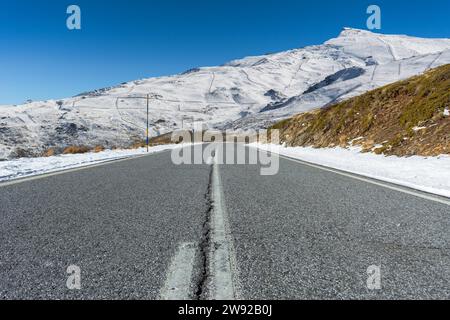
{"x":410,"y":117}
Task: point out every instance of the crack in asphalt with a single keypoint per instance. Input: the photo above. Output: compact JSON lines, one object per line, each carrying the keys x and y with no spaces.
{"x":205,"y":245}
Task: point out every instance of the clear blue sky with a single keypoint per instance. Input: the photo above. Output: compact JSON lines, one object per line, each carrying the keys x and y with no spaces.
{"x":126,"y":40}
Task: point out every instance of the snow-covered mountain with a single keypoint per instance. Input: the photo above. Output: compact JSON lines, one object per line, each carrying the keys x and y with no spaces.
{"x":249,"y":93}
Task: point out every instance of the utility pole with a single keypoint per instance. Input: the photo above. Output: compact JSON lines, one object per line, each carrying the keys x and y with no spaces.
{"x":148,"y":141}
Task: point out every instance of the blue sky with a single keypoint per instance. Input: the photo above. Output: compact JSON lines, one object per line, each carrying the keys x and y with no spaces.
{"x":126,"y":40}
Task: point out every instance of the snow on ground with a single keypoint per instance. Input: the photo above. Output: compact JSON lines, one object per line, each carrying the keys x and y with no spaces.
{"x":429,"y":174}
{"x":26,"y":167}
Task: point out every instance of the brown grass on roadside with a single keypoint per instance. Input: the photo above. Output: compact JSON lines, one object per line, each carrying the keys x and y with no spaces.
{"x":138,"y":144}
{"x":49,"y":153}
{"x":98,"y":149}
{"x":154,"y":141}
{"x":405,"y":118}
{"x":76,"y":150}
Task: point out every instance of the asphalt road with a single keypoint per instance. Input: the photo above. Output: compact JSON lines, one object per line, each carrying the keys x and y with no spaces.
{"x":311,"y":234}
{"x":120,"y":223}
{"x":304,"y":233}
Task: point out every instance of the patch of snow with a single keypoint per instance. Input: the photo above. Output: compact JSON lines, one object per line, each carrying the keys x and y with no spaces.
{"x":26,"y":167}
{"x":446,"y":112}
{"x":356,"y":139}
{"x":377,"y":146}
{"x":419,"y":128}
{"x":429,"y":174}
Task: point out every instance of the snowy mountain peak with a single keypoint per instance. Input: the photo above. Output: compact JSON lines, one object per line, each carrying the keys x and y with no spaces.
{"x":386,"y":48}
{"x":253,"y":92}
{"x":348,"y":32}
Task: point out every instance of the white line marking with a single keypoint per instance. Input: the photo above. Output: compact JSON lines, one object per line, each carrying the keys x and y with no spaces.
{"x":378,"y":183}
{"x":222,"y":257}
{"x":178,"y":284}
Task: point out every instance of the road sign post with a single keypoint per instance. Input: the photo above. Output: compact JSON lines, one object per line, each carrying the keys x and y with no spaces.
{"x":148,"y":142}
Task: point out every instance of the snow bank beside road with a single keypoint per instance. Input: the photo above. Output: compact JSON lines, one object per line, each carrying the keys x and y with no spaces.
{"x":25,"y":167}
{"x":429,"y":174}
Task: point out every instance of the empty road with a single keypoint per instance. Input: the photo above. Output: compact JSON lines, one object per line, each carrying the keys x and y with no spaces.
{"x":146,"y":228}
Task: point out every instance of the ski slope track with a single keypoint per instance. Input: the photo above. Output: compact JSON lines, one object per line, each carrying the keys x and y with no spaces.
{"x":253,"y":92}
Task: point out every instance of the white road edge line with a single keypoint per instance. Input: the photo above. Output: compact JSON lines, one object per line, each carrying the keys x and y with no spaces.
{"x":83,"y":167}
{"x":368,"y":180}
{"x":178,"y":284}
{"x":222,"y":257}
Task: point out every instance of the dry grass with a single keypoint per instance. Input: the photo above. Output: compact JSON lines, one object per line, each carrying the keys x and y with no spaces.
{"x":49,"y":153}
{"x":98,"y":149}
{"x":385,"y":117}
{"x":138,"y":144}
{"x":155,"y":141}
{"x":76,"y":150}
